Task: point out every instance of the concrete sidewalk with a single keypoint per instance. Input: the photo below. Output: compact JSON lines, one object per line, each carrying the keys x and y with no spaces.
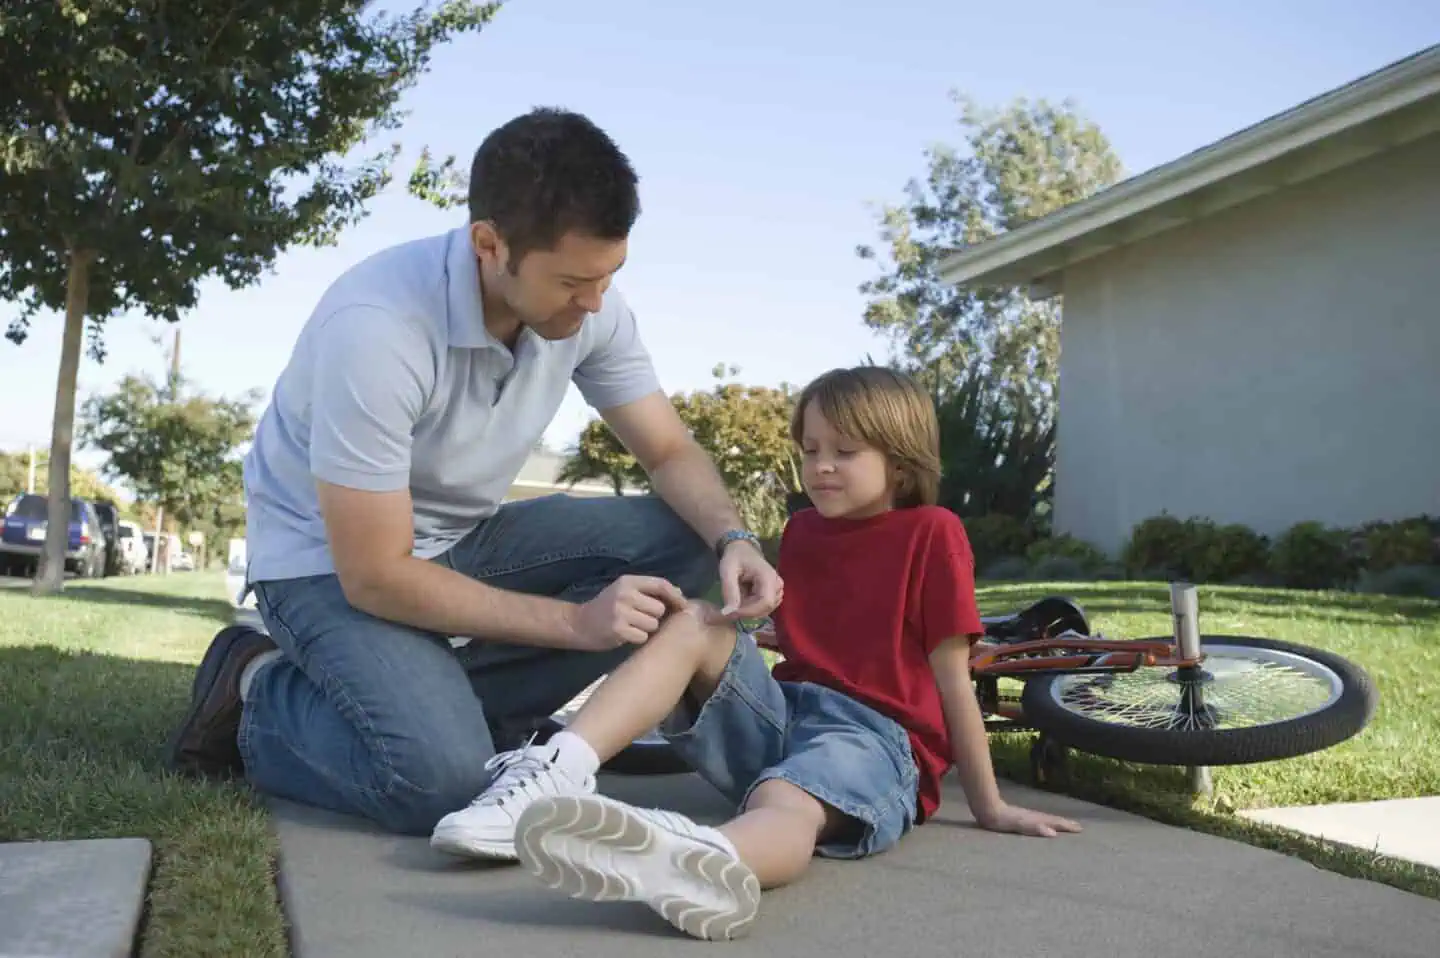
{"x":1125,"y":887}
{"x":1403,"y":828}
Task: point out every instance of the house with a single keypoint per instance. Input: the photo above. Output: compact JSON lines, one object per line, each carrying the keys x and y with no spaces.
{"x":1251,"y":332}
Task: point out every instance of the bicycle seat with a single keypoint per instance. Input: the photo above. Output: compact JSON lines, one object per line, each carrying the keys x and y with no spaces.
{"x":1045,"y":618}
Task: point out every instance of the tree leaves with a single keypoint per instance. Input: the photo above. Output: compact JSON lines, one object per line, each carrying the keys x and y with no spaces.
{"x":180,"y":452}
{"x":745,"y":429}
{"x":1021,"y":162}
{"x":181,"y":141}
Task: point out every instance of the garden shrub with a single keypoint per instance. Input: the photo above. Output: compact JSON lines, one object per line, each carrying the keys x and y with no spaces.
{"x":1421,"y":581}
{"x":770,"y":545}
{"x":996,"y":536}
{"x":1227,"y":553}
{"x":1409,"y":542}
{"x":1161,"y":547}
{"x":1311,"y":555}
{"x":1011,"y":568}
{"x":1061,"y":568}
{"x":1080,"y":553}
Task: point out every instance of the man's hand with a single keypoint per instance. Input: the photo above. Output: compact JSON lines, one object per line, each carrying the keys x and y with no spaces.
{"x":629,"y":610}
{"x":751,"y":589}
{"x":1025,"y":821}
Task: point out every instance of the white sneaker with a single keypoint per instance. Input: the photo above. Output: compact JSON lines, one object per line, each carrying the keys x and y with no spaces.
{"x":486,"y":827}
{"x":593,"y":847}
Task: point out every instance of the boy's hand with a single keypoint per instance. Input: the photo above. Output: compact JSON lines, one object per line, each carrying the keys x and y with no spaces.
{"x":1025,"y":821}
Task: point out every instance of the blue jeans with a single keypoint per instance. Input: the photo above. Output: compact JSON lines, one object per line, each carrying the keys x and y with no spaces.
{"x":372,"y":718}
{"x":754,"y":728}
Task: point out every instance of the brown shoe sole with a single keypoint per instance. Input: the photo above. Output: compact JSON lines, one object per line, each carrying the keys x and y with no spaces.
{"x":205,"y":742}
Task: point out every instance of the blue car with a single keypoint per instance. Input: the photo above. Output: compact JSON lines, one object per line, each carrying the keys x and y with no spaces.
{"x":23,"y":539}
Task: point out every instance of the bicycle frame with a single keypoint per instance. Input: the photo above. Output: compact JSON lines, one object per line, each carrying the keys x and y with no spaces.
{"x":1086,"y":655}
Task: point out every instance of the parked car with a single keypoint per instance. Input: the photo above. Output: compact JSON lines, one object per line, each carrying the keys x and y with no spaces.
{"x":133,"y":557}
{"x":110,"y":525}
{"x":23,"y":538}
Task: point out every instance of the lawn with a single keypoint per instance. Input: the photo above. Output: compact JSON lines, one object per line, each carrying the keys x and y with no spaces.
{"x":92,"y":681}
{"x":90,"y":684}
{"x":1397,"y":640}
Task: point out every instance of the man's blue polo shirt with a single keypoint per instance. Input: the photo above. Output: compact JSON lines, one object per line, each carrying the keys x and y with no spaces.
{"x":394,"y":382}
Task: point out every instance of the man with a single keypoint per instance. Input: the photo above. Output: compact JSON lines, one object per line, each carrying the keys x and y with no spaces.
{"x":375,"y":533}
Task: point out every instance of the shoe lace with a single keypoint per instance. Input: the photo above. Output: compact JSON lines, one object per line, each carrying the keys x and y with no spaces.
{"x":518,"y":771}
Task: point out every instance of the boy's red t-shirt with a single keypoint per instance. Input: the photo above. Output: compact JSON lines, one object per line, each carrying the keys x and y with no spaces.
{"x":866,"y":603}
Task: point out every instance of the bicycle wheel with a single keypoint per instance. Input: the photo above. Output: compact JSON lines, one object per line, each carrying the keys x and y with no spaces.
{"x":1259,"y":700}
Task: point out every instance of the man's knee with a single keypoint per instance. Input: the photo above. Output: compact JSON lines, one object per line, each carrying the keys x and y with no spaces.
{"x":430,"y":785}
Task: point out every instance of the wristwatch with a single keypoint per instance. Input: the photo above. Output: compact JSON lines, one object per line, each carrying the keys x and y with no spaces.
{"x":736,"y":535}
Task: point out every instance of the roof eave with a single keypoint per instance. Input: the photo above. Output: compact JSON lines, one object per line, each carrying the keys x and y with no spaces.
{"x":1391,"y":106}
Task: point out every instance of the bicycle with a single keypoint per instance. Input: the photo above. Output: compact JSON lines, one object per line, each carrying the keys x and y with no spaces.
{"x":1186,"y":699}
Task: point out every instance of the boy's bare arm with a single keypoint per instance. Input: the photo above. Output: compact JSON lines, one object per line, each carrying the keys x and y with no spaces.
{"x":969,"y":744}
{"x":970,"y":747}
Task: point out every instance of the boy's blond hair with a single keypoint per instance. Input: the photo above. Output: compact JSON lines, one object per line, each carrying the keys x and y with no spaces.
{"x":885,"y":409}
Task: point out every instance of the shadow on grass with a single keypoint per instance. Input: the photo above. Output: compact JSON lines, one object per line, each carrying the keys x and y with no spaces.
{"x":219,"y":610}
{"x":89,"y":714}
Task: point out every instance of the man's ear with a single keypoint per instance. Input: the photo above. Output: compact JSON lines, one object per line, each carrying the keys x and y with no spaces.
{"x":488,"y":245}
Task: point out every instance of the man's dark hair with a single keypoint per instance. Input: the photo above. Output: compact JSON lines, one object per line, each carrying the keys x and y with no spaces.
{"x":550,"y":172}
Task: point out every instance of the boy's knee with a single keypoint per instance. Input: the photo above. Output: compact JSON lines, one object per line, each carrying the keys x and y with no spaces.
{"x":700,"y":626}
{"x":430,"y":786}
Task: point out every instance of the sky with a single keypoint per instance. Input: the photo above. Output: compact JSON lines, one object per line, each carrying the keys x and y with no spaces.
{"x":765,"y":136}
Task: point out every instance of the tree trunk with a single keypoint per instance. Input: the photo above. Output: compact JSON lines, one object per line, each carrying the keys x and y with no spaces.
{"x":50,"y":576}
{"x":155,"y":556}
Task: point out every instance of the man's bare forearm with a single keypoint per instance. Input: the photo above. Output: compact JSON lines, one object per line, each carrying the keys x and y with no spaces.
{"x":690,"y":484}
{"x":432,"y":597}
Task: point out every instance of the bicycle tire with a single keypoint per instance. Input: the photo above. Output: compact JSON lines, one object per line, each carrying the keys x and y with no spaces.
{"x":1336,"y":722}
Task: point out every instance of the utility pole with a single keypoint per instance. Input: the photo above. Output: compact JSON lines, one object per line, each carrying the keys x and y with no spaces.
{"x":30,"y":480}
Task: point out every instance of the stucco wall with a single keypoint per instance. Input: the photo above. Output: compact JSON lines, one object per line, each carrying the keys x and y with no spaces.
{"x":1273,"y":363}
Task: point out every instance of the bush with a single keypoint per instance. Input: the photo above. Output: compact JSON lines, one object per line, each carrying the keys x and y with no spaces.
{"x":1160,"y":547}
{"x":770,"y":545}
{"x":1195,"y":549}
{"x":1310,"y":555}
{"x":994,"y":537}
{"x":1421,"y":581}
{"x":1409,"y":542}
{"x":1228,"y":553}
{"x":1078,"y":552}
{"x":1062,"y":568}
{"x":1006,"y":568}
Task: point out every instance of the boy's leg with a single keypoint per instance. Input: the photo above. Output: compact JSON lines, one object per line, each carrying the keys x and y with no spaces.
{"x":569,"y":548}
{"x":686,"y":653}
{"x":729,"y":724}
{"x":848,"y":766}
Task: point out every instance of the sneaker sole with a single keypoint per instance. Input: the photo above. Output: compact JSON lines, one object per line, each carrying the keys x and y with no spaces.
{"x":455,"y":843}
{"x":609,"y":831}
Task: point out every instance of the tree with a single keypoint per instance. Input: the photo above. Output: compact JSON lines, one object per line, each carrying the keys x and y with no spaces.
{"x":177,"y":451}
{"x":149,"y":145}
{"x":15,"y":477}
{"x":746,"y":429}
{"x":1023,"y":162}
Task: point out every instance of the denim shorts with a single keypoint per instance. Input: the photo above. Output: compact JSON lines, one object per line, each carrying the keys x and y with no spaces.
{"x":754,"y":728}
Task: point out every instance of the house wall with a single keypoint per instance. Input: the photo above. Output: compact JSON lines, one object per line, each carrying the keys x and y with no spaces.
{"x":1274,"y":363}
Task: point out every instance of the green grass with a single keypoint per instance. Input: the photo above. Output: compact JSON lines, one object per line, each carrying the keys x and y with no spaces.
{"x":91,"y":683}
{"x":1397,"y":640}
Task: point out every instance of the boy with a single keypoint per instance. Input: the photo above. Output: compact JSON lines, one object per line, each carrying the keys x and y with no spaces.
{"x":839,"y":751}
